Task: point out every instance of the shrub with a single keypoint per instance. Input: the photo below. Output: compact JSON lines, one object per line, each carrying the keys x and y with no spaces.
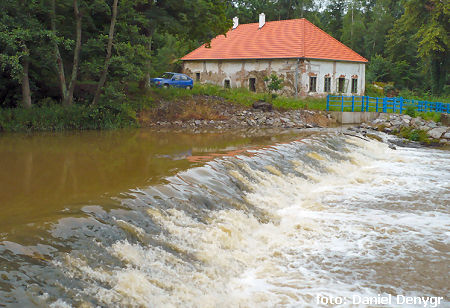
{"x":411,"y":111}
{"x":274,"y":84}
{"x":374,"y":90}
{"x":414,"y":135}
{"x":57,"y":117}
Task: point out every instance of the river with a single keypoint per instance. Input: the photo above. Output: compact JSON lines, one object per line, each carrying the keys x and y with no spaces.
{"x":140,"y":218}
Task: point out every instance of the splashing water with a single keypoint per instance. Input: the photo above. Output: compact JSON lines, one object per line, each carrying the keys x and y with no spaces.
{"x":326,"y":215}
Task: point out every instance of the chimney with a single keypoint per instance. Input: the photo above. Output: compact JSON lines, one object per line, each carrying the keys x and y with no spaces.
{"x":262,"y":20}
{"x":235,"y":22}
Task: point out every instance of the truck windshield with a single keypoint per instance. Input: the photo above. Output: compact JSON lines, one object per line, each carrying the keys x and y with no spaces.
{"x":167,"y":76}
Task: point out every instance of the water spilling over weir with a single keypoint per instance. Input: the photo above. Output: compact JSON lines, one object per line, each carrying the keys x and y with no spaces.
{"x":275,"y":225}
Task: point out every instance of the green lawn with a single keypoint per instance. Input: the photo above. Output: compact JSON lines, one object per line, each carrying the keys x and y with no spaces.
{"x":242,"y":96}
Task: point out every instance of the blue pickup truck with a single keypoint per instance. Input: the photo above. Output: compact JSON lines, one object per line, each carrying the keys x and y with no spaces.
{"x":175,"y":80}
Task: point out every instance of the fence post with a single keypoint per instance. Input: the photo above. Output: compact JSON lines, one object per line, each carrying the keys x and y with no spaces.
{"x":384,"y":104}
{"x":328,"y":102}
{"x":342,"y":104}
{"x":376,"y":105}
{"x":401,"y":105}
{"x":367,"y":103}
{"x":362,"y":103}
{"x":353,"y":103}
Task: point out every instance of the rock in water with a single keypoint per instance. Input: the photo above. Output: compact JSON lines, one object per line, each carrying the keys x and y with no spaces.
{"x":391,"y":146}
{"x":437,"y":133}
{"x":262,"y":105}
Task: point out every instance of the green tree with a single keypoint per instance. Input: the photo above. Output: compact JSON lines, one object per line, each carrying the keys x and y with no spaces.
{"x":104,"y":72}
{"x":429,"y":20}
{"x":353,"y":27}
{"x":66,"y":90}
{"x":380,"y":18}
{"x":20,"y":32}
{"x":249,"y":10}
{"x":332,"y":18}
{"x":199,"y":20}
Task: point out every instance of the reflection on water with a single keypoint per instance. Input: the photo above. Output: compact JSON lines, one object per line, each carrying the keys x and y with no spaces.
{"x":44,"y":174}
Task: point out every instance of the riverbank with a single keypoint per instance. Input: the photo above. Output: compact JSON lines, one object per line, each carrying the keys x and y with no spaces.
{"x":413,"y":130}
{"x":206,"y":106}
{"x":209,"y":107}
{"x":202,"y":111}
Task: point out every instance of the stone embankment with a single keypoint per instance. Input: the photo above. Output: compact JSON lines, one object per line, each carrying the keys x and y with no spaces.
{"x":252,"y":118}
{"x":396,"y":123}
{"x":210,"y":112}
{"x":215,"y":113}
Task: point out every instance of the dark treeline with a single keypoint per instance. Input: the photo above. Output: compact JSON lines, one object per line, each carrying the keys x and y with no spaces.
{"x":85,"y":51}
{"x":89,"y":52}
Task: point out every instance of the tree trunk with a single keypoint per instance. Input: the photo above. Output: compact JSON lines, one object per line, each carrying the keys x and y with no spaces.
{"x":351,"y":28}
{"x":59,"y":61}
{"x":149,"y":63}
{"x":26,"y":92}
{"x":76,"y":56}
{"x":438,"y":73}
{"x":108,"y":53}
{"x":301,"y":9}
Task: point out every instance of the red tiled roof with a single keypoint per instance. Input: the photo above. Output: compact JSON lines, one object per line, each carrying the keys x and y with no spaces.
{"x":295,"y":38}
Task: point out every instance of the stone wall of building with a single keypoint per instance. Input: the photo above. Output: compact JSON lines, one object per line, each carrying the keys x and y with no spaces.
{"x":239,"y":72}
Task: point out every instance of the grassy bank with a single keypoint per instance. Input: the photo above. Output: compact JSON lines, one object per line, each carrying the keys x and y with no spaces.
{"x":75,"y":117}
{"x":240,"y":96}
{"x":124,"y":111}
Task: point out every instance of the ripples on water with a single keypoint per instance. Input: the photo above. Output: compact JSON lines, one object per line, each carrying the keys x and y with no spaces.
{"x":325,"y":215}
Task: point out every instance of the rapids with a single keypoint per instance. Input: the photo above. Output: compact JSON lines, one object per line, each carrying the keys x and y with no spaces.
{"x":272,"y":225}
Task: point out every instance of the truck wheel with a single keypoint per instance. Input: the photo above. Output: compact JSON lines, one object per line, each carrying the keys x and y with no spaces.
{"x":165,"y":86}
{"x":189,"y":87}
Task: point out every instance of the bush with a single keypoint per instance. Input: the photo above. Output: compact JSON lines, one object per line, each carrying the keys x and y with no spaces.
{"x":374,"y":90}
{"x":434,"y":116}
{"x":414,"y":135}
{"x":57,"y":117}
{"x":274,"y":84}
{"x":411,"y":111}
{"x":390,"y":91}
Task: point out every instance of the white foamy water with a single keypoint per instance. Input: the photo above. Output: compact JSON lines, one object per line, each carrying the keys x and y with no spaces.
{"x":354,"y":219}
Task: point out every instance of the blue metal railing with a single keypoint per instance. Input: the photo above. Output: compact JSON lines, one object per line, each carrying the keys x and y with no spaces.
{"x":382,"y":104}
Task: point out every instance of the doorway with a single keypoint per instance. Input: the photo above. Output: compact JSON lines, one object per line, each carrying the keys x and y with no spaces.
{"x":252,"y":84}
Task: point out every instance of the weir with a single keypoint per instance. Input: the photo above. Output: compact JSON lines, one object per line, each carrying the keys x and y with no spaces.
{"x":276,"y":225}
{"x":354,"y":117}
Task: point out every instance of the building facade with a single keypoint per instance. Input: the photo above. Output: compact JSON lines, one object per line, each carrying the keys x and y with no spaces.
{"x":311,"y":62}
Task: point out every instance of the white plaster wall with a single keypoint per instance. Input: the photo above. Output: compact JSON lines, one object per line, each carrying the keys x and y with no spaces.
{"x":239,"y":71}
{"x":334,"y":69}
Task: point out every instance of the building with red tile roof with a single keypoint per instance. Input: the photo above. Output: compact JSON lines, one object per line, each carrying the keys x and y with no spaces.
{"x":311,"y":62}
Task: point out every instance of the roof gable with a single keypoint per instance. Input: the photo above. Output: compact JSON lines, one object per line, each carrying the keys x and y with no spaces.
{"x":295,"y":38}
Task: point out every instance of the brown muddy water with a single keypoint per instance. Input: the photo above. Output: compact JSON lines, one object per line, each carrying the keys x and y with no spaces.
{"x":142,"y":218}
